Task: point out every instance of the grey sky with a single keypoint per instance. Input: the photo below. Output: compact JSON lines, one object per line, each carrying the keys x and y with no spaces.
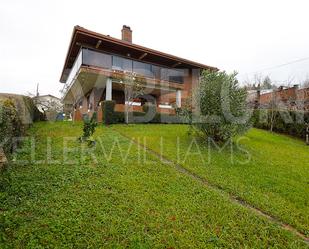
{"x":246,"y":36}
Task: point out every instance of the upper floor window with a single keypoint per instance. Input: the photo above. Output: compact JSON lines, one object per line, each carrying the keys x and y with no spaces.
{"x":142,"y":69}
{"x":97,"y":59}
{"x":120,"y":63}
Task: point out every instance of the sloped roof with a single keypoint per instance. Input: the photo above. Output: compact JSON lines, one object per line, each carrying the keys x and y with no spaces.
{"x":88,"y":38}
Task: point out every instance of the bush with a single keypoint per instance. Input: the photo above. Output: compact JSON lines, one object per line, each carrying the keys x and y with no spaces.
{"x":90,"y":125}
{"x":27,"y":111}
{"x":108,"y":112}
{"x":89,"y":129}
{"x":10,"y":125}
{"x":149,"y":107}
{"x":222,"y":106}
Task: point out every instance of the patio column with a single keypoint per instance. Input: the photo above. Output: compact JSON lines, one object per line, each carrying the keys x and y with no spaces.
{"x":178,"y":98}
{"x":109,"y":87}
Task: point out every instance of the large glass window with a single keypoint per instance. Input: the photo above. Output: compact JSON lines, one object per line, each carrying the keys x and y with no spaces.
{"x":156,"y":72}
{"x":120,"y":63}
{"x":176,"y":75}
{"x":142,"y":69}
{"x":164,"y":74}
{"x":96,"y":59}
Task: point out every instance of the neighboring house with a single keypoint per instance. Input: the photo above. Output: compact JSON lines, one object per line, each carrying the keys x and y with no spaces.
{"x":254,"y":98}
{"x":291,"y":98}
{"x":50,"y":105}
{"x":96,"y":64}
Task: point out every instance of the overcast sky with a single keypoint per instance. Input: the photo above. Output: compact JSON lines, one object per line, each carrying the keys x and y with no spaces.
{"x":246,"y":36}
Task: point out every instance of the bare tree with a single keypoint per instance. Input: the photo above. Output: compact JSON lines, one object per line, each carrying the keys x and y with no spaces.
{"x":47,"y":104}
{"x":134,"y":87}
{"x":305,"y":82}
{"x":272,"y":107}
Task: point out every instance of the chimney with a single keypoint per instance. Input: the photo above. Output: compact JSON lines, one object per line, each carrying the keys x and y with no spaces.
{"x":126,"y":33}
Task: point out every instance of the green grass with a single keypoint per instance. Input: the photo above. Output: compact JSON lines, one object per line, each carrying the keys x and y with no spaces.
{"x":101,"y":201}
{"x":269,"y":171}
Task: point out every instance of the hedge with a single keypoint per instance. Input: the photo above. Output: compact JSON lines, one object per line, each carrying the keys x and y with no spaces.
{"x":112,"y":117}
{"x":17,"y":112}
{"x":293,"y":123}
{"x":108,"y":112}
{"x":10,"y":125}
{"x":27,"y":111}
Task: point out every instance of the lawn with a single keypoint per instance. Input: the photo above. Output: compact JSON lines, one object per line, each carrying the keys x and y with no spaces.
{"x":96,"y":198}
{"x":269,"y":171}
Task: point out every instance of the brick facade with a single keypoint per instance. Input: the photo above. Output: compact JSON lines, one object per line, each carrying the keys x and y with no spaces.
{"x":97,"y":67}
{"x":291,"y":98}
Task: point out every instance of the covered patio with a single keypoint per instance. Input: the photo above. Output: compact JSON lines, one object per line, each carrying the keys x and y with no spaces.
{"x":92,"y":86}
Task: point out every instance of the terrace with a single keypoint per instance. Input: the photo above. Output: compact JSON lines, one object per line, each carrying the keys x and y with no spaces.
{"x":110,"y":63}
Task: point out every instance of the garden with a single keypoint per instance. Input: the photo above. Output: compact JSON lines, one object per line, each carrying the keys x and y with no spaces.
{"x":59,"y":192}
{"x":210,"y":183}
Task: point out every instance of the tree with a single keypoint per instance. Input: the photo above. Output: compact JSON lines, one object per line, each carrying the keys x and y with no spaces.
{"x":267,"y":84}
{"x":134,"y":88}
{"x":273,"y":107}
{"x":259,"y":82}
{"x":47,"y":104}
{"x":219,"y":106}
{"x":305,"y":82}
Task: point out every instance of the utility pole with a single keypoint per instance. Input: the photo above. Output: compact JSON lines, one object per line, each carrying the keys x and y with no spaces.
{"x":37,"y":90}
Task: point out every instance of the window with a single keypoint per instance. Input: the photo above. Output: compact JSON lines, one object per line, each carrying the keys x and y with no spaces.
{"x":123,"y":64}
{"x":165,"y":106}
{"x":93,"y":58}
{"x":176,"y":75}
{"x":156,"y":71}
{"x":142,"y":69}
{"x":89,"y":104}
{"x":164,"y":74}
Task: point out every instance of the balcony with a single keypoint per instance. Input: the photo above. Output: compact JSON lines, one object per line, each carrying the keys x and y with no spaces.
{"x":88,"y":57}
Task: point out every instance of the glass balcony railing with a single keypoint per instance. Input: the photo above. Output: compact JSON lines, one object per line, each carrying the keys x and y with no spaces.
{"x":73,"y":72}
{"x":90,"y":57}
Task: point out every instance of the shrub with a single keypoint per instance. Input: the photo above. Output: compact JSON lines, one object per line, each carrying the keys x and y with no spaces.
{"x":293,"y":123}
{"x":108,"y":112}
{"x":222,"y":106}
{"x":184,"y":114}
{"x":17,"y":112}
{"x":27,"y":111}
{"x":149,"y":107}
{"x":89,"y":129}
{"x":10,"y":125}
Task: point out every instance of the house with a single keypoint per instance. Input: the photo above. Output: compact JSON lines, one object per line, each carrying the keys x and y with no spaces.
{"x":48,"y":104}
{"x":290,"y":98}
{"x":97,"y":68}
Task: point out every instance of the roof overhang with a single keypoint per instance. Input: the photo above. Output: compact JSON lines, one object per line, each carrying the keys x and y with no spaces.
{"x":82,"y":37}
